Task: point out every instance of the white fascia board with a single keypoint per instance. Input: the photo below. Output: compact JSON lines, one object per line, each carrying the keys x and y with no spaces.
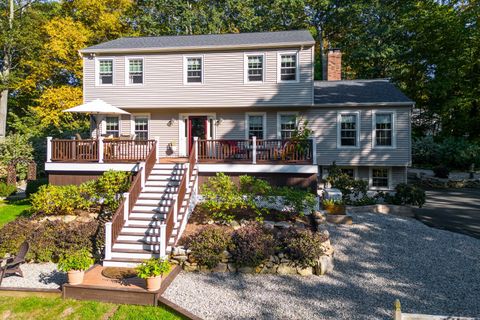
{"x":258,"y":168}
{"x":90,"y":167}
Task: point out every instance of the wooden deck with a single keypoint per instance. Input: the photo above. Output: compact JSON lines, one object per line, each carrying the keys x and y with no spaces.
{"x":129,"y":291}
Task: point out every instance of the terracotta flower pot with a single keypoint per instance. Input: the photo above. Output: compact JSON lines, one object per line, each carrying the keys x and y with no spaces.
{"x":336,"y":209}
{"x":154,"y":283}
{"x":75,"y":276}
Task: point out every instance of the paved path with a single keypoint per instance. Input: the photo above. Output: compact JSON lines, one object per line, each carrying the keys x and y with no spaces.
{"x":378,"y":259}
{"x":457,"y":210}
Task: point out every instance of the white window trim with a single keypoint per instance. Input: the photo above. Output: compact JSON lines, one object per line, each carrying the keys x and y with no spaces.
{"x":97,"y":71}
{"x":279,"y":67}
{"x":127,"y":71}
{"x":339,"y":129}
{"x":285,"y":113}
{"x":264,"y":123}
{"x":245,"y":67}
{"x":394,"y":129}
{"x":370,"y":179}
{"x":104,"y":124}
{"x":132,"y":122}
{"x":185,"y":69}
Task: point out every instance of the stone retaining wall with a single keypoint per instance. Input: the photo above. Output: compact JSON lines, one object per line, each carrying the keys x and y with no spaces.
{"x":276,"y":264}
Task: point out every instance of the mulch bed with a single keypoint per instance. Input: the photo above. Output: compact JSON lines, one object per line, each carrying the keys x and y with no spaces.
{"x":119,"y":273}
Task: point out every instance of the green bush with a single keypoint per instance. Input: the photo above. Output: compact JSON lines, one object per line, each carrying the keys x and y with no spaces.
{"x":34,"y":185}
{"x":251,"y":245}
{"x":303,"y":247}
{"x":16,"y":146}
{"x":250,"y":185}
{"x":75,"y":260}
{"x":59,"y":200}
{"x":299,"y":200}
{"x":110,"y":185}
{"x":407,"y":194}
{"x":441,"y":172}
{"x":207,"y":246}
{"x":153,"y":268}
{"x":13,"y":234}
{"x":221,"y":198}
{"x":7,"y":189}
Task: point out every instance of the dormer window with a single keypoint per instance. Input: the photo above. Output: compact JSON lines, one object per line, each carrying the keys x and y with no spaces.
{"x":194,"y":70}
{"x":135,"y":71}
{"x":288,"y":67}
{"x":105,"y":72}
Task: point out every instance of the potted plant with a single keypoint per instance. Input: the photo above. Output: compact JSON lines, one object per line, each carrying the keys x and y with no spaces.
{"x":152,"y":271}
{"x":75,"y":263}
{"x":333,"y":206}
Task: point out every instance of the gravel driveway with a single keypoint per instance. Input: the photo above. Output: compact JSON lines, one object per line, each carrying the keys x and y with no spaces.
{"x":378,"y":259}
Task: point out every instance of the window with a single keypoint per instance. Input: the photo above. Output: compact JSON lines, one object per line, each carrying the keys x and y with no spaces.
{"x":135,"y":71}
{"x":288,"y":124}
{"x":254,"y":64}
{"x":112,"y":125}
{"x":256,"y":125}
{"x":288,"y":67}
{"x":194,"y":70}
{"x":380,"y":178}
{"x":141,"y":127}
{"x":105,"y":71}
{"x":383,"y":129}
{"x":348,"y":130}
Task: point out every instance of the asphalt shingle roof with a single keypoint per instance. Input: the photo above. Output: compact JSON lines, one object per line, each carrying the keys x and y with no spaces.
{"x":358,"y":92}
{"x":205,"y":41}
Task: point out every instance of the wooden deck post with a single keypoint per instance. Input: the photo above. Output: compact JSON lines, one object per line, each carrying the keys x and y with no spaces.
{"x":157,"y":141}
{"x":49,"y":149}
{"x":126,"y":206}
{"x":254,"y":150}
{"x":314,"y":150}
{"x":100,"y":149}
{"x":163,"y":240}
{"x":108,"y":240}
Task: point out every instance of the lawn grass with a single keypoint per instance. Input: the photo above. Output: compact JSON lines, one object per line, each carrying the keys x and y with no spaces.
{"x":10,"y":210}
{"x":56,"y":308}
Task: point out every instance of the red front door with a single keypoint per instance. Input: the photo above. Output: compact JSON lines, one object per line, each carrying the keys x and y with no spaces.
{"x":197,"y":127}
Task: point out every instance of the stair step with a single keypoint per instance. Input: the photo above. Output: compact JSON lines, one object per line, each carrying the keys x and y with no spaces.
{"x":146,"y":230}
{"x":140,"y":254}
{"x":162,"y":183}
{"x":150,"y":209}
{"x":156,"y":189}
{"x":164,"y":177}
{"x":138,"y":241}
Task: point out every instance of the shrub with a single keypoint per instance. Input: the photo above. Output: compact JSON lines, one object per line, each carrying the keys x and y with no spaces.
{"x":254,"y":186}
{"x":75,"y":260}
{"x":299,"y":200}
{"x":16,"y":146}
{"x":13,"y":234}
{"x":407,"y":194}
{"x":221,"y":197}
{"x":207,"y":246}
{"x":441,"y":172}
{"x":153,"y":268}
{"x":58,"y":200}
{"x":34,"y":185}
{"x":52,"y":239}
{"x":251,"y":245}
{"x":110,"y":185}
{"x":302,"y":246}
{"x":7,"y":189}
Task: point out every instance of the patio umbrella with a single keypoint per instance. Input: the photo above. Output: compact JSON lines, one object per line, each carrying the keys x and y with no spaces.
{"x":96,"y":107}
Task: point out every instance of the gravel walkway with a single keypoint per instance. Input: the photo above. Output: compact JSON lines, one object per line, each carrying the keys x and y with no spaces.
{"x":378,"y":259}
{"x":37,"y":275}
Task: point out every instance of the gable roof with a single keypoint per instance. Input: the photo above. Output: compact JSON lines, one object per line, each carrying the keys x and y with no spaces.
{"x":359,"y":93}
{"x":207,"y":41}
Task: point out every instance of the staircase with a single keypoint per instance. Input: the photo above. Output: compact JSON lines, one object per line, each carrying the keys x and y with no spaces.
{"x":149,"y":230}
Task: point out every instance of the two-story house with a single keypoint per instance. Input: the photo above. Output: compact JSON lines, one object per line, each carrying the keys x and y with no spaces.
{"x":231,"y":103}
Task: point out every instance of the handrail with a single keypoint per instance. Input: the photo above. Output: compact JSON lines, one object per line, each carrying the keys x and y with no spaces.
{"x":192,"y":161}
{"x":74,"y":150}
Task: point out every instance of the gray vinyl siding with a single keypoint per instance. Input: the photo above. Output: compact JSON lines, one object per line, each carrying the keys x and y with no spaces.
{"x":323,"y":122}
{"x":223,"y":82}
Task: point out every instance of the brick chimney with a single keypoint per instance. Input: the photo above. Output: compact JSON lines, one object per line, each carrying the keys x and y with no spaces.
{"x":334,"y":65}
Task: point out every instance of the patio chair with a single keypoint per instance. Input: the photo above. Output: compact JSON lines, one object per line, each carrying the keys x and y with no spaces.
{"x":12,"y":265}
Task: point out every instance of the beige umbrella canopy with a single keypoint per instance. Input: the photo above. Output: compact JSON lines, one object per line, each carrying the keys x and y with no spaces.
{"x":97,"y":107}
